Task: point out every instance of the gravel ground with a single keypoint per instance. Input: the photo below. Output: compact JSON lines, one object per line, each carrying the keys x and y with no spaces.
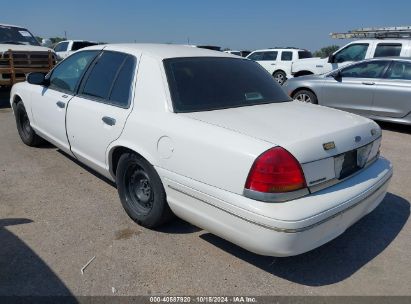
{"x":55,"y":215}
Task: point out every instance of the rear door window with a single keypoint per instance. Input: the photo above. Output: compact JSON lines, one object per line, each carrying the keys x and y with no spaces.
{"x":110,"y":79}
{"x":387,"y":49}
{"x":286,"y":56}
{"x":399,"y":70}
{"x":304,"y":54}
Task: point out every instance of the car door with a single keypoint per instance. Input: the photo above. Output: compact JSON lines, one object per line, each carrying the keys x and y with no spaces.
{"x":96,"y":117}
{"x":392,"y":93}
{"x":269,"y":61}
{"x":50,"y":102}
{"x":352,"y":89}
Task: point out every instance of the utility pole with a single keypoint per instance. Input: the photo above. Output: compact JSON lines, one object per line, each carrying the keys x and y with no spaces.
{"x":65,"y":35}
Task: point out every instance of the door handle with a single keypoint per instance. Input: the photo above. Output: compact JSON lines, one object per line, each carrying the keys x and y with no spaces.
{"x":61,"y":104}
{"x":109,"y":121}
{"x":273,"y":64}
{"x":368,"y":82}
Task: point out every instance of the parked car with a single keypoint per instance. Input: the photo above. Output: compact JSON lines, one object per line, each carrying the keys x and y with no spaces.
{"x":238,"y":53}
{"x":233,"y":52}
{"x":278,"y":61}
{"x":377,"y":88}
{"x":352,"y":52}
{"x":65,"y":48}
{"x":210,"y":137}
{"x":20,"y":54}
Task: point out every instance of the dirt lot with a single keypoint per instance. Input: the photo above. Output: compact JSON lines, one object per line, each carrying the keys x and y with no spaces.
{"x":55,"y":215}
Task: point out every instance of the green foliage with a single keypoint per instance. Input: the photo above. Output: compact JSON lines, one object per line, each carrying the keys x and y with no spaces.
{"x":55,"y":40}
{"x":39,"y":39}
{"x":326,"y":51}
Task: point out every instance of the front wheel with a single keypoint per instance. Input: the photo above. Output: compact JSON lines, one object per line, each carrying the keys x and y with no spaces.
{"x":305,"y":96}
{"x":26,"y":132}
{"x":141,"y":191}
{"x":280,"y":76}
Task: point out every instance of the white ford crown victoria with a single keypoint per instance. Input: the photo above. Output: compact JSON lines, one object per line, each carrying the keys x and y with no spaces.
{"x":210,"y":137}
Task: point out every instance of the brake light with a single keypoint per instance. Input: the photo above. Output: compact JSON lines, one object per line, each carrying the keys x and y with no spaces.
{"x":275,"y":171}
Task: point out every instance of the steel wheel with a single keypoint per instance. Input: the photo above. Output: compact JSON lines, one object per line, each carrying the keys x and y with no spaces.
{"x":139,"y":192}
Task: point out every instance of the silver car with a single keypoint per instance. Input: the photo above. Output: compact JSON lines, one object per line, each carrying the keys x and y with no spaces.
{"x":378,"y":88}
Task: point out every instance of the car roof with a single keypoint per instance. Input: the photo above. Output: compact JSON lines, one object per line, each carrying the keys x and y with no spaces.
{"x":11,"y":25}
{"x":279,"y":49}
{"x":160,"y":51}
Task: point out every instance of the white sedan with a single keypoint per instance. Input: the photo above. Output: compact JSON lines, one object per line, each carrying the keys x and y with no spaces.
{"x":211,"y":138}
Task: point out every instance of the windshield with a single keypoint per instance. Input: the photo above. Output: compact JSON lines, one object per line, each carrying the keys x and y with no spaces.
{"x":212,"y":83}
{"x":16,"y":35}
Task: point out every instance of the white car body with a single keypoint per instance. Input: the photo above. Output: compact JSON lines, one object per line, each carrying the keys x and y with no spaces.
{"x":64,"y":48}
{"x":204,"y":158}
{"x":323,"y":65}
{"x":279,"y":64}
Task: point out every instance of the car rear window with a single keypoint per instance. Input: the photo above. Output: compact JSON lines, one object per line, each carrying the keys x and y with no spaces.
{"x":304,"y":54}
{"x":212,"y":83}
{"x":81,"y":44}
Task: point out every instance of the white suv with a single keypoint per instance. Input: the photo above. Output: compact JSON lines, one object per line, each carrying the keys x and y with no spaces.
{"x":354,"y":51}
{"x":278,"y":61}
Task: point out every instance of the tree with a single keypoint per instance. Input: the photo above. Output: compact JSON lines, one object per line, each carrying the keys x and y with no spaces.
{"x":326,"y":51}
{"x":55,"y":40}
{"x":39,"y":39}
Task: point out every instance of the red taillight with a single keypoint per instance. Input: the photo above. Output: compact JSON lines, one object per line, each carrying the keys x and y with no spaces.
{"x":275,"y":171}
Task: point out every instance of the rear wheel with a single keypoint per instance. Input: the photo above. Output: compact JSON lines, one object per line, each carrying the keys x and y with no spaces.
{"x":305,"y":96}
{"x":26,"y":132}
{"x":141,"y":191}
{"x":280,"y":76}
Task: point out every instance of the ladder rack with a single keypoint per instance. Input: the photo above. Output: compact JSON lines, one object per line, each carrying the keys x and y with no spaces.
{"x":393,"y":32}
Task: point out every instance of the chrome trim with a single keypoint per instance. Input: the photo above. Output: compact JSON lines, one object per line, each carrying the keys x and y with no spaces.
{"x":286,"y":230}
{"x":275,"y":197}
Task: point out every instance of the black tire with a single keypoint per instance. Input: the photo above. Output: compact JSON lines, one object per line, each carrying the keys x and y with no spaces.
{"x":26,"y":132}
{"x":305,"y":96}
{"x":280,"y":77}
{"x":141,"y":191}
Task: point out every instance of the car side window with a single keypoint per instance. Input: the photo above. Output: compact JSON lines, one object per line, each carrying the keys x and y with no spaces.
{"x":61,"y":47}
{"x":286,"y":56}
{"x":110,"y":78}
{"x":353,"y":52}
{"x":270,"y":56}
{"x":257,"y":56}
{"x":399,"y":70}
{"x":66,"y":75}
{"x":372,"y":69}
{"x":122,"y":87}
{"x":387,"y":49}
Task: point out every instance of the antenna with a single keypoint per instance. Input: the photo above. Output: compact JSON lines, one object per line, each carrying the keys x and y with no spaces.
{"x":394,"y":32}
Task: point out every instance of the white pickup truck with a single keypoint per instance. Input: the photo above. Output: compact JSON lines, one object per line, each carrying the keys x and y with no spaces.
{"x":354,"y":51}
{"x":20,"y":54}
{"x":65,"y":48}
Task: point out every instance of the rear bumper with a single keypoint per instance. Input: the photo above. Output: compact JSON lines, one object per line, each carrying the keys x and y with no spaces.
{"x":280,"y":237}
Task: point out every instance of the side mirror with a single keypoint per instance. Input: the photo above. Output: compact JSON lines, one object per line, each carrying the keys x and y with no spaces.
{"x":37,"y":78}
{"x":336,"y":74}
{"x":331,"y":58}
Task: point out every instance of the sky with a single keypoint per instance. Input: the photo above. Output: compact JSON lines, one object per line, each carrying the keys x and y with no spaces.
{"x":245,"y":25}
